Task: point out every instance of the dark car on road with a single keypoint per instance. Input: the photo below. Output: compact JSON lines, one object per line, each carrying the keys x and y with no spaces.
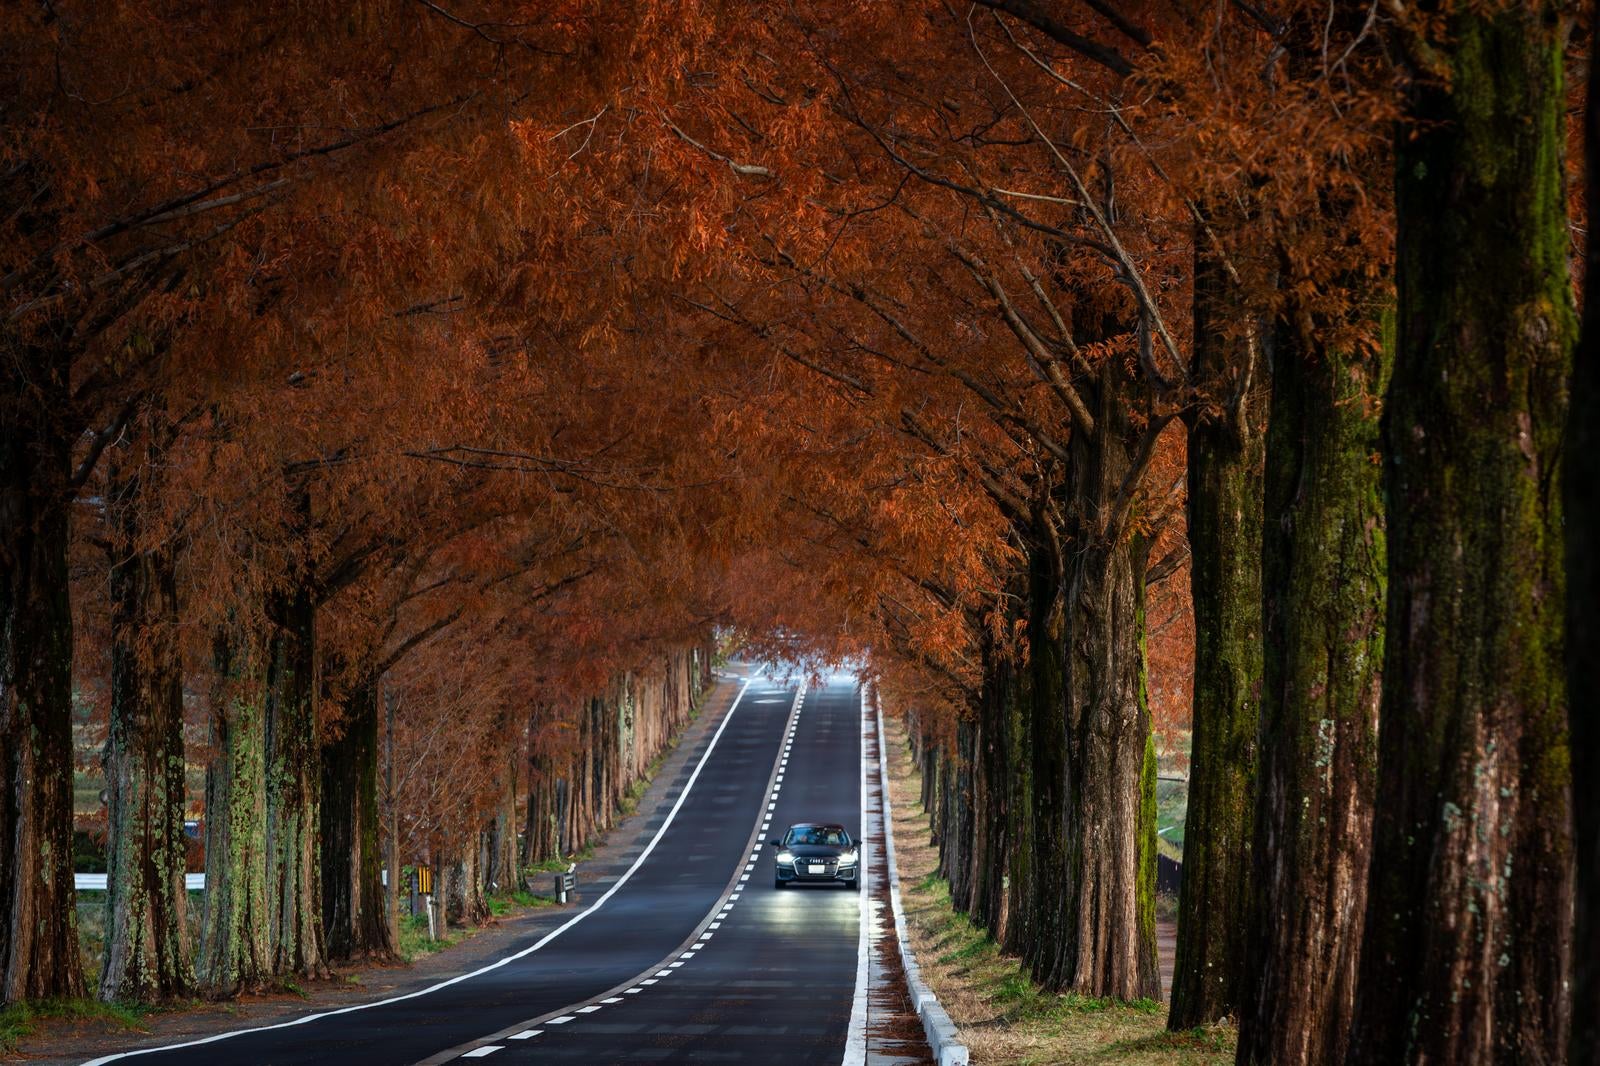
{"x":815,"y":853}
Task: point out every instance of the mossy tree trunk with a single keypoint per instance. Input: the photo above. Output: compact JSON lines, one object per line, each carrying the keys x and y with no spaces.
{"x":1227,"y":458}
{"x":145,"y":953}
{"x":1323,"y":578}
{"x":234,"y":941}
{"x":1583,"y":614}
{"x":503,"y":874}
{"x":294,"y":785}
{"x":1467,"y":954}
{"x":38,"y":916}
{"x":351,"y":848}
{"x":1094,"y":786}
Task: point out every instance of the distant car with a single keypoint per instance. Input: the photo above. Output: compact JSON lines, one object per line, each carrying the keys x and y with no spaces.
{"x":815,"y":853}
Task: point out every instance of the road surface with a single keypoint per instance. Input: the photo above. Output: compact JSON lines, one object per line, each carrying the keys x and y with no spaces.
{"x":692,"y":956}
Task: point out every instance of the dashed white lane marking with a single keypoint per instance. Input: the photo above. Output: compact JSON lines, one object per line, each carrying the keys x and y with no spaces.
{"x":704,"y":936}
{"x":483,"y":1052}
{"x":644,"y":855}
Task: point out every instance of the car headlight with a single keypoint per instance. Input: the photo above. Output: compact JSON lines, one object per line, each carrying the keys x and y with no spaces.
{"x":785,"y":857}
{"x":847,"y":858}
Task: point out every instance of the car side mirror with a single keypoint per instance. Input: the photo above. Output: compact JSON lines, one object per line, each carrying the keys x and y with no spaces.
{"x":776,"y":843}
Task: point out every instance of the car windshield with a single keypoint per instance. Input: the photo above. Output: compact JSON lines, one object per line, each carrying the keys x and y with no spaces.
{"x":818,"y":835}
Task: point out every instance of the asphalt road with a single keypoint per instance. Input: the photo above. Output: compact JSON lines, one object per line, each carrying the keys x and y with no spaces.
{"x":694,"y":957}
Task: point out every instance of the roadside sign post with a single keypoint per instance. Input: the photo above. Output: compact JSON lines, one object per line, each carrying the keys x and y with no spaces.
{"x":423,"y":886}
{"x":565,"y":883}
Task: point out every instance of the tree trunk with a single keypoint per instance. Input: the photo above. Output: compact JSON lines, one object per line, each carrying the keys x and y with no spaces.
{"x":1583,"y":612}
{"x":991,"y":795}
{"x":503,"y":873}
{"x":392,"y":842}
{"x":294,"y":878}
{"x":354,"y":921}
{"x":1324,"y":591}
{"x":38,"y":919}
{"x":145,"y":958}
{"x":1227,"y":456}
{"x":1094,"y":758}
{"x":1109,"y":925}
{"x":234,"y":942}
{"x":1467,"y":953}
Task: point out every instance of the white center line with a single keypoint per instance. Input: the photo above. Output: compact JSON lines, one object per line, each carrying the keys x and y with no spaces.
{"x":482,"y":1052}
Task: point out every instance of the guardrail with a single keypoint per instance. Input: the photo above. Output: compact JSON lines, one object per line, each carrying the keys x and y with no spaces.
{"x":97,"y":882}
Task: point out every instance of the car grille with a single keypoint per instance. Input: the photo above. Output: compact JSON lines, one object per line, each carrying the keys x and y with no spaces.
{"x":803,"y":867}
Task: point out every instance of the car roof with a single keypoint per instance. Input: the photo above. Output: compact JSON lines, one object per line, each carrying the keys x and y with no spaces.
{"x":816,"y":825}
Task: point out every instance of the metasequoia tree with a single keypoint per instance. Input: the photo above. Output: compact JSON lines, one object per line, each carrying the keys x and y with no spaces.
{"x":1468,"y":946}
{"x":146,"y":956}
{"x":123,"y":271}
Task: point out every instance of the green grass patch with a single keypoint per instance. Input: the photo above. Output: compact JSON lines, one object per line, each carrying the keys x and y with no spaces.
{"x":19,"y":1020}
{"x":414,"y":942}
{"x":506,"y":902}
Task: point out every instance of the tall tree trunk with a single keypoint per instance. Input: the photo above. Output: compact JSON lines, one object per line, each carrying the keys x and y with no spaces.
{"x":145,"y":957}
{"x":1094,"y":878}
{"x":1109,"y":929}
{"x":1583,"y":610}
{"x":234,"y":942}
{"x":354,"y":920}
{"x":38,"y":918}
{"x":1467,"y":954}
{"x":392,"y":839}
{"x":294,"y":878}
{"x":1227,"y":458}
{"x":1039,"y":929}
{"x":1324,"y":592}
{"x":503,"y":874}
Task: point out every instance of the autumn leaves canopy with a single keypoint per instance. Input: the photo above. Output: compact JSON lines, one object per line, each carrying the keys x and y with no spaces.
{"x":493,"y":352}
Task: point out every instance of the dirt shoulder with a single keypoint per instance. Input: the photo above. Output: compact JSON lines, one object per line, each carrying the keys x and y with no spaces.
{"x":1002,"y":1015}
{"x":61,"y":1033}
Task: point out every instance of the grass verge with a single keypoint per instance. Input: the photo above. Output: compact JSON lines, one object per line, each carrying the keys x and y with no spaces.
{"x":19,"y":1020}
{"x":1003,"y":1016}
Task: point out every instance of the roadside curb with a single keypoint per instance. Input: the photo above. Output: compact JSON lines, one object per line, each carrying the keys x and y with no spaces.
{"x":943,"y":1036}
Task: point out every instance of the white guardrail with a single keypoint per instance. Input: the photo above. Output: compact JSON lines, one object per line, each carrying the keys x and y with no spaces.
{"x":943,"y":1036}
{"x":193,"y":882}
{"x":97,"y":882}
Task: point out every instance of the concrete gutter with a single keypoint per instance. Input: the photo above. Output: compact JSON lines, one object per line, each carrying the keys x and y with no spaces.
{"x":943,"y":1036}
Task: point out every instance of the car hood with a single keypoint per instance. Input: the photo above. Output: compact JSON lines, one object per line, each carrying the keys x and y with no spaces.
{"x":817,"y":851}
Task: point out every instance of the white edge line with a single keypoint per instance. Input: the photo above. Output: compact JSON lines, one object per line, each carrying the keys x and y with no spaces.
{"x":855,"y":1045}
{"x":557,"y":931}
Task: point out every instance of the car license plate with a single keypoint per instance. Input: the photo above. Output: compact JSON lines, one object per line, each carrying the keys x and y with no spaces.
{"x":818,"y":868}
